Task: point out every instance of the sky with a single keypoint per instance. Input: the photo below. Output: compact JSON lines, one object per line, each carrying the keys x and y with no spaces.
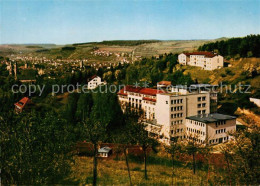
{"x":77,"y":21}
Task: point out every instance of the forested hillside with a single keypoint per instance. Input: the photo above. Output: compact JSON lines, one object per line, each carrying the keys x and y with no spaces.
{"x":248,"y":46}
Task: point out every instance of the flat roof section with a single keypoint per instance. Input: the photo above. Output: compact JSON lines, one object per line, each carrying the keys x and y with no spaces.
{"x":210,"y":118}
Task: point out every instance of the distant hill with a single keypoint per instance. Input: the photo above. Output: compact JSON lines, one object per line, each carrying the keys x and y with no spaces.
{"x":141,"y":48}
{"x":121,"y":42}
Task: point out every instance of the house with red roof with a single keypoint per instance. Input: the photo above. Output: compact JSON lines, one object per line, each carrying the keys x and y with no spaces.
{"x":205,"y":60}
{"x":23,"y":104}
{"x":163,"y":84}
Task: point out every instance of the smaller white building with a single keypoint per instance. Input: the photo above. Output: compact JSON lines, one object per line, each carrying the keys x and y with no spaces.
{"x":205,"y":60}
{"x":94,"y":82}
{"x":210,"y":128}
{"x":104,"y":152}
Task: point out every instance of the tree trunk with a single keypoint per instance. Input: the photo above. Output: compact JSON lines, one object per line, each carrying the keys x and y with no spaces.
{"x":145,"y":162}
{"x":229,"y":172}
{"x":128,"y":168}
{"x":172,"y":168}
{"x":194,"y":163}
{"x":208,"y":176}
{"x":95,"y":166}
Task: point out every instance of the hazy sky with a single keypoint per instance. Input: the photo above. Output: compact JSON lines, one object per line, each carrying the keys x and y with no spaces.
{"x":73,"y":21}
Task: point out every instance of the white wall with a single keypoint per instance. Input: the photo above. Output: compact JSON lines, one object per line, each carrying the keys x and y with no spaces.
{"x":229,"y":126}
{"x":192,"y":104}
{"x":182,"y":59}
{"x":92,"y":84}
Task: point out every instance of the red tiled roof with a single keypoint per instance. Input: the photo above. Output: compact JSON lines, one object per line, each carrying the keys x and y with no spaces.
{"x":204,"y":53}
{"x":149,"y":99}
{"x":121,"y":93}
{"x":21,"y":104}
{"x":140,"y":90}
{"x":164,"y":83}
{"x":93,"y":77}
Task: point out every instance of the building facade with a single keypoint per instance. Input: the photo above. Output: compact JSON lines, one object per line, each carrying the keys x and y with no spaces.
{"x":170,"y":114}
{"x":210,"y":128}
{"x":94,"y":82}
{"x":205,"y":60}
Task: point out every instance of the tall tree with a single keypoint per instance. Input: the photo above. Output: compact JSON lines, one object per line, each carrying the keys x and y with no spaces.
{"x":143,"y":139}
{"x":95,"y":132}
{"x":192,"y":147}
{"x":173,"y":149}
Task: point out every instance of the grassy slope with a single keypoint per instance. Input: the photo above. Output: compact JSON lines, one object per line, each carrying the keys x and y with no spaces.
{"x":221,"y":75}
{"x":114,"y":172}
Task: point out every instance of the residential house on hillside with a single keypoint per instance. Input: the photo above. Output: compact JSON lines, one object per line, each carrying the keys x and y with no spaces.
{"x":94,"y":82}
{"x":23,"y":104}
{"x":205,"y":60}
{"x":163,"y":84}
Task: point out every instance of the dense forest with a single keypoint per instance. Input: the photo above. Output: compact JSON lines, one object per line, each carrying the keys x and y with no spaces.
{"x":148,"y":70}
{"x":248,"y":46}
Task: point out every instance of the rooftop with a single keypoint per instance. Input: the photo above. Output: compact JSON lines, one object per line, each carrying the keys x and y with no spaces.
{"x":203,"y":53}
{"x":210,"y":118}
{"x":140,"y":90}
{"x":165,"y":83}
{"x":104,"y":149}
{"x":21,"y":104}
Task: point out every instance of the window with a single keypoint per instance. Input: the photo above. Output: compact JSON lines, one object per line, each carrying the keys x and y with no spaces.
{"x":203,"y":98}
{"x":166,"y":102}
{"x":199,"y":98}
{"x":199,"y":105}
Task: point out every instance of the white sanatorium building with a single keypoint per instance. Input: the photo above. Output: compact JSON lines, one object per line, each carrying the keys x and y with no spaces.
{"x":205,"y":60}
{"x":171,"y":114}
